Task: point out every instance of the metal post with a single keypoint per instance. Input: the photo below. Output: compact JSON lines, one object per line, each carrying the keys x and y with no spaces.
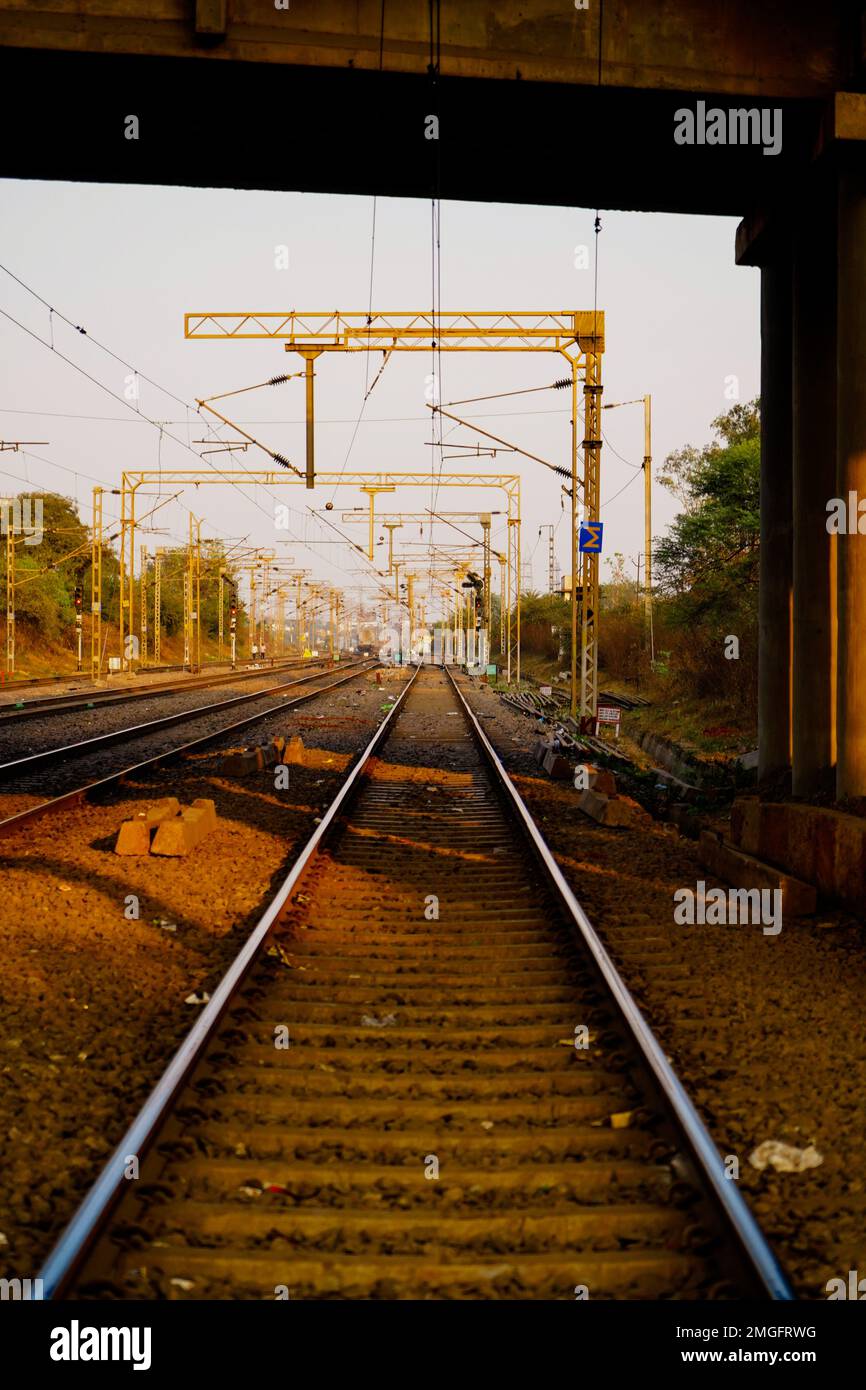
{"x":157,"y":605}
{"x":96,"y":587}
{"x":187,"y":603}
{"x":410,"y":588}
{"x":501,"y":606}
{"x":309,"y":376}
{"x":197,"y":614}
{"x":589,"y":569}
{"x":516,"y":524}
{"x":220,"y":624}
{"x":485,"y":531}
{"x":574,"y":549}
{"x":251,"y":634}
{"x":10,"y":591}
{"x":122,"y":571}
{"x":143,"y":619}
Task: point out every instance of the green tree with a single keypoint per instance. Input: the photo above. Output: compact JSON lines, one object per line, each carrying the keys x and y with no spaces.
{"x":709,"y":558}
{"x":706,"y":566}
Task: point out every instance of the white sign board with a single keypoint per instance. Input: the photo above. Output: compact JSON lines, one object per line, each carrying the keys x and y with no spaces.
{"x":609,"y":715}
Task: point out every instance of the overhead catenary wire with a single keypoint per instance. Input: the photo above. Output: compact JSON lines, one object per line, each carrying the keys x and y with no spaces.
{"x":159,"y":425}
{"x":559,"y":385}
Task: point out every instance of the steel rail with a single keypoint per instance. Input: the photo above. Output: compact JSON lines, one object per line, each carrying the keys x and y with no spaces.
{"x":57,"y":803}
{"x":84,"y":1228}
{"x":736,"y":1214}
{"x":27,"y":682}
{"x":96,"y":699}
{"x":92,"y":745}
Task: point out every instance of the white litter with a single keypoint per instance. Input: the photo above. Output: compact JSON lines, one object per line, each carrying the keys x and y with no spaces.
{"x":185,"y":1284}
{"x":784,"y":1157}
{"x":386,"y":1021}
{"x":197,"y":998}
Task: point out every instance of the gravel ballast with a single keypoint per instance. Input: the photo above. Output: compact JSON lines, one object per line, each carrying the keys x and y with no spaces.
{"x":764,"y":1031}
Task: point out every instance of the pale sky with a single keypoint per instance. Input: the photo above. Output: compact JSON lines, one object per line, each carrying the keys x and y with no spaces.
{"x":682,"y":320}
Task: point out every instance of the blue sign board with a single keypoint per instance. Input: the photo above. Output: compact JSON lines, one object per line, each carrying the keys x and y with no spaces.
{"x":590,"y":537}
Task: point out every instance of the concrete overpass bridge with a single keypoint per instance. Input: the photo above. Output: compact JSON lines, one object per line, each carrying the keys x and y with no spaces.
{"x":543,"y":102}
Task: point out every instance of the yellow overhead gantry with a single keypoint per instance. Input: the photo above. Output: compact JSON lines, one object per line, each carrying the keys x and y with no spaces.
{"x":578,"y":335}
{"x":133,"y":479}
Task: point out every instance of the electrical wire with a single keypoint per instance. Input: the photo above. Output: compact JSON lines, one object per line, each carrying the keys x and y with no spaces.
{"x":631,"y":480}
{"x":619,"y":455}
{"x":160,"y":425}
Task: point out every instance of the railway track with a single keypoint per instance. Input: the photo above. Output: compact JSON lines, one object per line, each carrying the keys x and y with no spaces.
{"x":384,"y":1099}
{"x":43,"y":706}
{"x":61,"y":753}
{"x":37,"y":762}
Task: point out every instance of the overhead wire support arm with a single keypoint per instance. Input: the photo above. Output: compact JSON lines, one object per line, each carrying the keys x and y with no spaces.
{"x":512,"y":448}
{"x":271,"y":453}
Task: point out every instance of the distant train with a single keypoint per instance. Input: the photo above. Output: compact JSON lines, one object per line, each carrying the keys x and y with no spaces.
{"x":368,"y":640}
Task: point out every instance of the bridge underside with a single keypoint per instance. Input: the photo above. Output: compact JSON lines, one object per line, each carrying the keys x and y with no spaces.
{"x":540,"y":104}
{"x":235,"y":125}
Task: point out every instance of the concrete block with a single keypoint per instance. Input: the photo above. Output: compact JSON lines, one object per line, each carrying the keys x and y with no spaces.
{"x":818,"y":844}
{"x":208,"y":810}
{"x":133,"y":837}
{"x":598,"y":779}
{"x":177,"y":837}
{"x":615,"y":811}
{"x":773,"y":837}
{"x":164,"y":809}
{"x":558,"y":767}
{"x":741,"y":870}
{"x":746,"y":825}
{"x":540,"y":749}
{"x":266,"y":756}
{"x":293,"y":751}
{"x":849,"y":868}
{"x":592,"y":804}
{"x":239,"y":763}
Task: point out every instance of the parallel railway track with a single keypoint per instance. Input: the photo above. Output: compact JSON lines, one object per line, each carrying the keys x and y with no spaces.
{"x":61,"y":755}
{"x":430,"y":1129}
{"x":43,"y":706}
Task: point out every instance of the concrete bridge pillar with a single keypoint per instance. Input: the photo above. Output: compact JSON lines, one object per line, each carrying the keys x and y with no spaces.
{"x":814,"y":482}
{"x":774,"y":601}
{"x":851,"y":478}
